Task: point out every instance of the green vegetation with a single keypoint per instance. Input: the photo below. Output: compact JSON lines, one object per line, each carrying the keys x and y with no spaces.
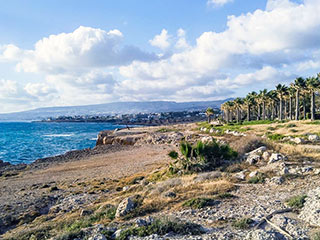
{"x":225,"y":196}
{"x":275,"y":137}
{"x":161,"y":227}
{"x":165,"y":130}
{"x":260,"y":178}
{"x":243,"y":223}
{"x":316,"y":236}
{"x":201,"y":157}
{"x":173,"y":154}
{"x":199,"y":203}
{"x":296,"y":201}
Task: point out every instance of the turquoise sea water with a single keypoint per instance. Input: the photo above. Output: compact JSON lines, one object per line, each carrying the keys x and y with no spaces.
{"x":24,"y":142}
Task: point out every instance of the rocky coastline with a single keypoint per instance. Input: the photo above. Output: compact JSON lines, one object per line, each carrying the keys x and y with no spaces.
{"x":122,"y":185}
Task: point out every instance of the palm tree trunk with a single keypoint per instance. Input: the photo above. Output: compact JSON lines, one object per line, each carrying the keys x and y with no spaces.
{"x":304,"y":108}
{"x":248,"y":113}
{"x":297,"y":105}
{"x":290,"y":108}
{"x":280,"y":110}
{"x":238,"y":113}
{"x":272,"y":111}
{"x":285,"y":109}
{"x":313,"y":108}
{"x":264,"y":111}
{"x":259,"y":112}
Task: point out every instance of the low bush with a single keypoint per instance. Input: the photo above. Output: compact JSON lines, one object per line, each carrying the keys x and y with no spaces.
{"x":199,"y":203}
{"x":296,"y":201}
{"x":161,"y":227}
{"x":225,"y":196}
{"x":275,"y":137}
{"x":259,"y":178}
{"x":243,"y":223}
{"x":201,"y":157}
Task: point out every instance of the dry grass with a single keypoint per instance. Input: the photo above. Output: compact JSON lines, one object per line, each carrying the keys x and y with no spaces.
{"x":246,"y":144}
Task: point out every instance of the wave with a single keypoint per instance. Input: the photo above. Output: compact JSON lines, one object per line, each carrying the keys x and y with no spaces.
{"x":59,"y":135}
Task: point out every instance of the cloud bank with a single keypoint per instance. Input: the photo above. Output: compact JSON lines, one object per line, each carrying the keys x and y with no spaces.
{"x":256,"y":50}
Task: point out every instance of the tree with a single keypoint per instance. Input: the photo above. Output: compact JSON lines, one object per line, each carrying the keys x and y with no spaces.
{"x":281,"y":91}
{"x":299,"y":84}
{"x":313,"y":85}
{"x":209,"y":113}
{"x":272,"y":100}
{"x":263,"y":95}
{"x":238,"y":102}
{"x":292,"y":92}
{"x":249,"y":100}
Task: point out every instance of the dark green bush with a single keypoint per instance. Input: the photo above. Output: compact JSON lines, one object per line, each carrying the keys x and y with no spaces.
{"x":243,"y":223}
{"x":173,"y":154}
{"x":296,"y":201}
{"x":161,"y":227}
{"x":201,"y":157}
{"x":275,"y":137}
{"x":199,"y":203}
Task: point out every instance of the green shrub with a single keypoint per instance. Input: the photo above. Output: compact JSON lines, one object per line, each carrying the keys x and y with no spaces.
{"x":201,"y":157}
{"x":291,"y":125}
{"x":275,"y":137}
{"x":271,"y":128}
{"x":173,"y":154}
{"x":225,"y":196}
{"x":161,"y":227}
{"x":296,"y":201}
{"x":199,"y":203}
{"x":165,"y":130}
{"x":260,"y":178}
{"x":243,"y":223}
{"x":294,"y":130}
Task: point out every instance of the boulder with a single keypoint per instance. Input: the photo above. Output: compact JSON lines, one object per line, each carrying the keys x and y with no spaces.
{"x":253,"y":159}
{"x":284,"y":171}
{"x":310,"y":212}
{"x":298,"y":140}
{"x":253,"y":174}
{"x":266,"y":156}
{"x":276,"y":157}
{"x":125,"y":207}
{"x":313,"y":138}
{"x":259,"y":150}
{"x":240,"y":176}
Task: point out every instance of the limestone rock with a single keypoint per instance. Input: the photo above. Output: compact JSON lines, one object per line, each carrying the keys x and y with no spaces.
{"x":313,"y":138}
{"x":266,"y":156}
{"x":125,"y":206}
{"x":276,"y":157}
{"x":252,"y":159}
{"x":253,"y":174}
{"x":240,"y":176}
{"x":310,"y":212}
{"x":298,"y":140}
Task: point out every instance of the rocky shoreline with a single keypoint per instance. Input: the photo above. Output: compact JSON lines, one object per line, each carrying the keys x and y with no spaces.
{"x":122,"y":187}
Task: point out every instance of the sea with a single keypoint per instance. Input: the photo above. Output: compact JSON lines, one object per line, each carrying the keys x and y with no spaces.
{"x":25,"y":142}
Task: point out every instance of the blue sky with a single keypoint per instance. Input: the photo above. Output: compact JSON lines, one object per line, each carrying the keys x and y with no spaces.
{"x":56,"y":53}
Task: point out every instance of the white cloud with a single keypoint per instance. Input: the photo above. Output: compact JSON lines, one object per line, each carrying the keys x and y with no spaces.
{"x":8,"y":88}
{"x":161,"y":41}
{"x":84,"y":48}
{"x":218,"y":3}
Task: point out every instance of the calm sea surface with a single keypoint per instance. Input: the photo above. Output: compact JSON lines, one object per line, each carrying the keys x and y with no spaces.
{"x":23,"y":142}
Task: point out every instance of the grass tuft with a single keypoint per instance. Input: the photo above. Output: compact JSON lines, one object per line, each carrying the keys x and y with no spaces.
{"x":296,"y":201}
{"x":199,"y":203}
{"x":243,"y":223}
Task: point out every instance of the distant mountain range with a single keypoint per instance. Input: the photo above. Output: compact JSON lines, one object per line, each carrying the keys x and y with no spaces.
{"x":110,"y":109}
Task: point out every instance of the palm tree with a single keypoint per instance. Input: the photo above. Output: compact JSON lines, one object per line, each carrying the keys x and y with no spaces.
{"x":291,"y":92}
{"x":227,"y":107}
{"x":299,"y":84}
{"x":209,"y":113}
{"x":249,"y":100}
{"x":238,"y":102}
{"x":272,"y":101}
{"x":263,"y":97}
{"x":312,"y":84}
{"x":281,"y":91}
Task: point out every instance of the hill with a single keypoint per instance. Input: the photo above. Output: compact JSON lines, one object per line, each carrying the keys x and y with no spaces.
{"x":110,"y":109}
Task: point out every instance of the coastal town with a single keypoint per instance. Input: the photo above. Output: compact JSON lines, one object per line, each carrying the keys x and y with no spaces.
{"x":145,"y":119}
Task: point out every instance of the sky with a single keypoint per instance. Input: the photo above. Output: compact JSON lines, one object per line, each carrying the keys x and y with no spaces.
{"x":77,"y":52}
